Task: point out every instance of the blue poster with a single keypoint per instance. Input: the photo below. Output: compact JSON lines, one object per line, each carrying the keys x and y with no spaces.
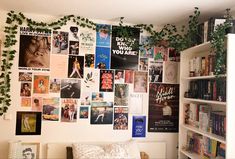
{"x":102,"y":58}
{"x":103,"y":35}
{"x":138,"y":126}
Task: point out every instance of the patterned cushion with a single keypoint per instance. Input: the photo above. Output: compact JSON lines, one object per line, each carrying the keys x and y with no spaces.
{"x":84,"y":151}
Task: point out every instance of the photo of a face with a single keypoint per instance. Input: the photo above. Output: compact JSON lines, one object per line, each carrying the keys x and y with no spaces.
{"x":25,"y":90}
{"x":30,"y":150}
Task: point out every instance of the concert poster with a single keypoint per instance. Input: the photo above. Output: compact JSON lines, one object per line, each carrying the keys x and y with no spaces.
{"x":106,"y":80}
{"x":163,"y":115}
{"x":125,"y":51}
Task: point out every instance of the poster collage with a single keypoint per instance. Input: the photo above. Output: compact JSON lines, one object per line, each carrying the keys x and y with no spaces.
{"x":83,"y":74}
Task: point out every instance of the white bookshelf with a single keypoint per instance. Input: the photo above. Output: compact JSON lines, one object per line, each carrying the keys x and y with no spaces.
{"x":228,"y":106}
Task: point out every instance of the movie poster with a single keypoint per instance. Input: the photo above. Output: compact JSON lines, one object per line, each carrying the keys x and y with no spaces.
{"x":70,"y":88}
{"x":35,"y":48}
{"x":41,"y":84}
{"x":136,"y":103}
{"x":125,"y":51}
{"x":101,"y":113}
{"x":155,"y":71}
{"x":120,"y":118}
{"x":60,"y":42}
{"x":106,"y":80}
{"x":89,"y":60}
{"x":139,"y":126}
{"x":121,"y":94}
{"x":145,"y":49}
{"x":69,"y":110}
{"x":76,"y":66}
{"x":102,"y":58}
{"x":91,"y":80}
{"x":163,"y":107}
{"x":170,"y":72}
{"x":51,"y":109}
{"x":140,"y":81}
{"x":103,"y":35}
{"x":74,"y":47}
{"x":87,"y":41}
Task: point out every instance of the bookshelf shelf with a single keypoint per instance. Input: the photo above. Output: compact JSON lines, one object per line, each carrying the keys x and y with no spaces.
{"x":205,"y":101}
{"x":207,"y":134}
{"x":199,"y":48}
{"x":190,"y":154}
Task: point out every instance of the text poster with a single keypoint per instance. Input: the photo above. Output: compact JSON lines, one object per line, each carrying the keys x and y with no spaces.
{"x":139,"y":126}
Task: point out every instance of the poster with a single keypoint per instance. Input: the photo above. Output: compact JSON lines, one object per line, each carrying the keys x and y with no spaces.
{"x":129,"y":76}
{"x":160,"y":54}
{"x":87,"y":41}
{"x":163,"y":109}
{"x":37,"y":104}
{"x":25,"y":102}
{"x":84,"y":112}
{"x":51,"y":109}
{"x":91,"y":80}
{"x":25,"y":90}
{"x":145,"y":50}
{"x":138,"y":126}
{"x":140,"y":81}
{"x":101,"y":113}
{"x":55,"y":85}
{"x":35,"y":48}
{"x":102,"y":58}
{"x":143,"y":64}
{"x":135,"y":103}
{"x":121,"y":94}
{"x":41,"y":84}
{"x":85,"y":98}
{"x":174,"y":55}
{"x":155,"y":71}
{"x":119,"y":76}
{"x":70,"y":88}
{"x":120,"y":118}
{"x":25,"y":76}
{"x":76,"y":66}
{"x":125,"y":51}
{"x":60,"y":42}
{"x":73,"y":34}
{"x":89,"y":60}
{"x":59,"y":67}
{"x":106,"y":80}
{"x":103,"y":35}
{"x":69,"y":110}
{"x":170,"y":72}
{"x":74,"y":47}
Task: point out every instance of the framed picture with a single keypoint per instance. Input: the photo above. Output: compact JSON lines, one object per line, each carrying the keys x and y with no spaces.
{"x":28,"y":123}
{"x":30,"y":150}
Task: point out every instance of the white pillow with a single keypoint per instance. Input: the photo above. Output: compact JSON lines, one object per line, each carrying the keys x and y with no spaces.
{"x":85,"y":151}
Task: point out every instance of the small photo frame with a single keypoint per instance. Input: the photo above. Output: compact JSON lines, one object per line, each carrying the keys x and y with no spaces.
{"x":28,"y":123}
{"x":30,"y":150}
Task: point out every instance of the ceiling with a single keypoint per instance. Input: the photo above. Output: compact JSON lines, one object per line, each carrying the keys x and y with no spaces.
{"x":157,"y":12}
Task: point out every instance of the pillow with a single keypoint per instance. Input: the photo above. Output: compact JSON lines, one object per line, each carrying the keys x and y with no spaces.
{"x":85,"y":151}
{"x":69,"y":152}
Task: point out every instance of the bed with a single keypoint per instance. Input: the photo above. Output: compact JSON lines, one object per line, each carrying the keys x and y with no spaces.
{"x":146,"y":149}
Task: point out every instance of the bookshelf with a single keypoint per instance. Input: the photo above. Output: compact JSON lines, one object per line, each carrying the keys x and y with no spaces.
{"x":226,"y":106}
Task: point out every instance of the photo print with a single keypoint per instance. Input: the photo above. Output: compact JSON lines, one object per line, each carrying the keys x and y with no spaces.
{"x":73,"y":34}
{"x":145,"y":49}
{"x":25,"y":102}
{"x":55,"y":85}
{"x":51,"y":109}
{"x":97,"y":97}
{"x":69,"y":110}
{"x":30,"y":150}
{"x":87,"y":41}
{"x":85,"y":98}
{"x":102,"y":58}
{"x":84,"y":112}
{"x":70,"y":88}
{"x":143,"y":64}
{"x":119,"y":76}
{"x":103,"y":32}
{"x":121,"y":94}
{"x":60,"y":42}
{"x":101,"y":113}
{"x":129,"y":76}
{"x":120,"y":118}
{"x":140,"y":81}
{"x":160,"y":54}
{"x":76,"y":66}
{"x":89,"y":60}
{"x":25,"y":76}
{"x":28,"y":123}
{"x":91,"y":80}
{"x":170,"y":72}
{"x":37,"y":104}
{"x":35,"y":48}
{"x":41,"y":84}
{"x":74,"y":47}
{"x":155,"y":71}
{"x":25,"y":90}
{"x":106,"y":80}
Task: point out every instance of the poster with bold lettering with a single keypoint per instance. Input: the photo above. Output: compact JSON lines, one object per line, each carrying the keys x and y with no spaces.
{"x":139,"y":126}
{"x":163,"y":107}
{"x":106,"y":80}
{"x":125,"y":51}
{"x":103,"y":35}
{"x":102,"y":58}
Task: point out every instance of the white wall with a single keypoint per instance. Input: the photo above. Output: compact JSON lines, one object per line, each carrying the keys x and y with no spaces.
{"x":67,"y":132}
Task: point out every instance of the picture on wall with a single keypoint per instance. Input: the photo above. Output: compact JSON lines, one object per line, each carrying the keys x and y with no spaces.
{"x":170,"y":72}
{"x":69,"y":110}
{"x":129,"y":76}
{"x":121,"y":94}
{"x":30,"y":150}
{"x":25,"y":102}
{"x":89,"y":60}
{"x":84,"y":112}
{"x":138,"y":126}
{"x":106,"y":80}
{"x":101,"y":113}
{"x":37,"y":104}
{"x":70,"y":88}
{"x":73,"y":34}
{"x":74,"y":47}
{"x":55,"y":85}
{"x":41,"y":84}
{"x":120,"y":118}
{"x":97,"y":97}
{"x":28,"y":123}
{"x":135,"y":103}
{"x":160,"y":53}
{"x":143,"y":64}
{"x":51,"y":109}
{"x":76,"y":66}
{"x":25,"y":76}
{"x":145,"y":49}
{"x":163,"y":115}
{"x":87,"y":39}
{"x":140,"y":81}
{"x":119,"y":76}
{"x":155,"y":71}
{"x":103,"y":35}
{"x":91,"y":80}
{"x":34,"y":49}
{"x":25,"y":90}
{"x":60,"y":42}
{"x":125,"y":51}
{"x":85,"y":98}
{"x":102,"y":58}
{"x":173,"y":55}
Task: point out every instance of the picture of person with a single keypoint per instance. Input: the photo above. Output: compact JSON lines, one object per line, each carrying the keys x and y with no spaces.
{"x":74,"y":47}
{"x":121,"y":94}
{"x":74,"y":31}
{"x":27,"y":153}
{"x":129,"y":76}
{"x":41,"y":84}
{"x":84,"y":112}
{"x":34,"y":51}
{"x":119,"y":76}
{"x":97,"y":96}
{"x":101,"y":113}
{"x":68,"y":110}
{"x":143,"y":64}
{"x":120,"y":121}
{"x":60,"y":42}
{"x":25,"y":89}
{"x":28,"y":123}
{"x":140,"y":81}
{"x":55,"y":85}
{"x":76,"y":67}
{"x":101,"y":65}
{"x":89,"y":60}
{"x":70,"y":88}
{"x":155,"y":71}
{"x":166,"y":110}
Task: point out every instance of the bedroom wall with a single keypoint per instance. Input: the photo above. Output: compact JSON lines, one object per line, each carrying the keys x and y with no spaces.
{"x":67,"y":132}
